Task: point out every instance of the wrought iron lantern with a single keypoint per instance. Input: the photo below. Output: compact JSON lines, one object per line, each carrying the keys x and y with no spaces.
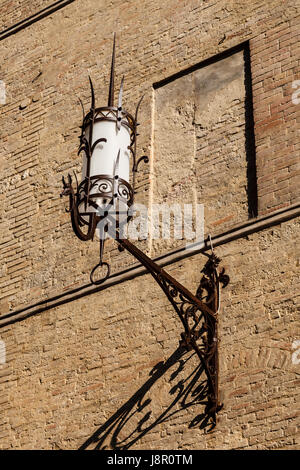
{"x":108,"y":143}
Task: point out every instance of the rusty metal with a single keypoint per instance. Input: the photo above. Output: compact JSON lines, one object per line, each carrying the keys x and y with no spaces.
{"x":197,"y":313}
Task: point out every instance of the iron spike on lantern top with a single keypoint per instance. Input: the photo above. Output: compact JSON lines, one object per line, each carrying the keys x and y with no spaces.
{"x":108,"y":145}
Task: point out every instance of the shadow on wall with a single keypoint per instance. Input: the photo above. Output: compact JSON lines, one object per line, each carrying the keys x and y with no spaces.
{"x":188,"y":387}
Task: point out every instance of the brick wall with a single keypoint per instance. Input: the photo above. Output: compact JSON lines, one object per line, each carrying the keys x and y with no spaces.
{"x":200,"y":144}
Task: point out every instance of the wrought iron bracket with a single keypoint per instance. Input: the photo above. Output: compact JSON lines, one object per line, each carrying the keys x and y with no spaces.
{"x":197,"y":313}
